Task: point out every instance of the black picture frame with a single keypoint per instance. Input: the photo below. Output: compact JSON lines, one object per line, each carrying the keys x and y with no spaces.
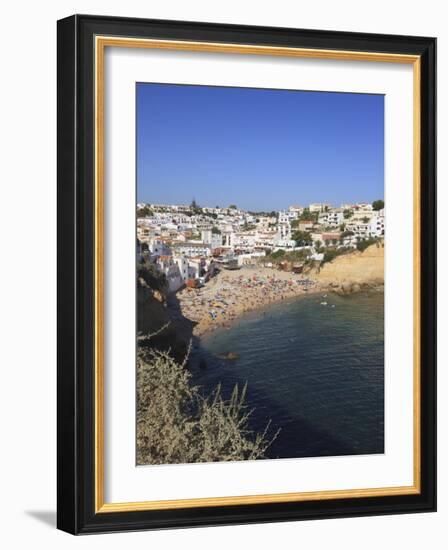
{"x":76,"y":255}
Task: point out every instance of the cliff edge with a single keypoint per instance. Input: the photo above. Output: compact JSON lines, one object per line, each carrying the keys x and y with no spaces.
{"x":349,"y":272}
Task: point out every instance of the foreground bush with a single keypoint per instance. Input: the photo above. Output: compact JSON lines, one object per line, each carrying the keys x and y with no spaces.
{"x":177,"y":424}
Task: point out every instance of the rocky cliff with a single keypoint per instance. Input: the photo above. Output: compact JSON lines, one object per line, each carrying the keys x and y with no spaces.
{"x":152,"y":313}
{"x":165,"y":323}
{"x":351,"y":272}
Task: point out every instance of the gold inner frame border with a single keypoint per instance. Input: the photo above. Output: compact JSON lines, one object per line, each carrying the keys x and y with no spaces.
{"x":100,"y":44}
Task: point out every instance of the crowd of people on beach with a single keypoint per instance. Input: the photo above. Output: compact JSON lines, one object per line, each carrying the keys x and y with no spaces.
{"x":230,"y":294}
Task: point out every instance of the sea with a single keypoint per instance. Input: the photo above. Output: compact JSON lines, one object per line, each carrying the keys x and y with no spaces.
{"x":314,"y":369}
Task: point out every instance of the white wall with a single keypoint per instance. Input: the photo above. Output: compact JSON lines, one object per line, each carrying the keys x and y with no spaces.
{"x":27,"y":289}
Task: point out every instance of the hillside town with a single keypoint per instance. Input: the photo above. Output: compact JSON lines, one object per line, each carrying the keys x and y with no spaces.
{"x":189,"y":243}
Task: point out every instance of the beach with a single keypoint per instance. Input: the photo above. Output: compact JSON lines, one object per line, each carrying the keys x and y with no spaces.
{"x":229,"y":294}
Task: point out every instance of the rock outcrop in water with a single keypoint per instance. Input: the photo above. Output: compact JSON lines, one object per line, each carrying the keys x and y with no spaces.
{"x":354,"y":272}
{"x":228,"y":356}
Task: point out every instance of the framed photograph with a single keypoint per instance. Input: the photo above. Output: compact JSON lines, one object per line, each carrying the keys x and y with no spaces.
{"x":246,"y":274}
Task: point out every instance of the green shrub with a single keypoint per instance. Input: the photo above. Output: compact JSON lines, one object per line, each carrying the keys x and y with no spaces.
{"x":329,"y":255}
{"x":302,"y":238}
{"x":277,"y":254}
{"x":378,"y":205}
{"x":144,"y":212}
{"x":332,"y":253}
{"x":362,"y":245}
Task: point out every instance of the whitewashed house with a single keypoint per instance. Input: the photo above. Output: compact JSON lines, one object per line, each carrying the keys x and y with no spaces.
{"x":182,"y":264}
{"x":377,"y":226}
{"x":158,"y":248}
{"x":170,"y":269}
{"x":192,"y":249}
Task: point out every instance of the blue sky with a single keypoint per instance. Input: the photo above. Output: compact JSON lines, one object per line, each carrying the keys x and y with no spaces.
{"x":259,"y":149}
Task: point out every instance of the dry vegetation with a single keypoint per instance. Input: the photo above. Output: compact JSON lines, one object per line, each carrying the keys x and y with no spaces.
{"x":177,"y":424}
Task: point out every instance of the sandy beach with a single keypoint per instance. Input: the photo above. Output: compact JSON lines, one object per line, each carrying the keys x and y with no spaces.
{"x":231,"y":293}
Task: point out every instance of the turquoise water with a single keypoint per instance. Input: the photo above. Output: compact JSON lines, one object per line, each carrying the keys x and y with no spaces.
{"x":315,"y":371}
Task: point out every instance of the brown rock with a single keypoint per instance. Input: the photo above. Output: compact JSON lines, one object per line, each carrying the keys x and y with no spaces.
{"x":366,"y":268}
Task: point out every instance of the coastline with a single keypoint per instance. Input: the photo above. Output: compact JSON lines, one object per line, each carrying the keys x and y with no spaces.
{"x":231,"y":294}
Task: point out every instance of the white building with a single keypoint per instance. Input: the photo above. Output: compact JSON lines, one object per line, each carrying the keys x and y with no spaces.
{"x":286,"y":216}
{"x":319,"y":206}
{"x":195,"y":268}
{"x":250,"y":259}
{"x":182,"y":264}
{"x":284,"y":230}
{"x":243,"y":239}
{"x":332,"y":218}
{"x":296,"y":209}
{"x":228,"y":238}
{"x":377,"y":226}
{"x":318,"y":257}
{"x":364,"y":207}
{"x":216,"y":240}
{"x":359,"y":229}
{"x":170,"y":269}
{"x":192,"y":249}
{"x":158,"y":248}
{"x":264,"y":222}
{"x":284,"y":244}
{"x":362,"y":215}
{"x":210,"y":238}
{"x":206,"y":236}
